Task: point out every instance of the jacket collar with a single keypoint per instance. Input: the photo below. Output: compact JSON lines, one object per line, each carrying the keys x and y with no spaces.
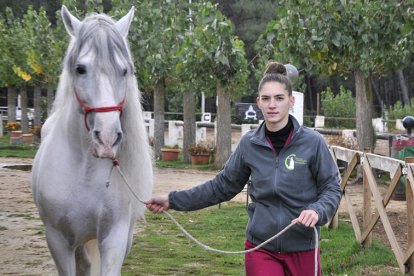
{"x":259,"y":136}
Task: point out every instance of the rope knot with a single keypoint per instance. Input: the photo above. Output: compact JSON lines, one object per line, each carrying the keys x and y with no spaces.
{"x":115,"y":162}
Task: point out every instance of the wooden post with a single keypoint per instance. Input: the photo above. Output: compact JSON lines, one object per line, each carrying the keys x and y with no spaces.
{"x":333,"y":224}
{"x":410,"y":216}
{"x":367,"y":214}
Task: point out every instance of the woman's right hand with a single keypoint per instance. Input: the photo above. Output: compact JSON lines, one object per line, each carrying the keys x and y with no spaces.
{"x":158,"y":204}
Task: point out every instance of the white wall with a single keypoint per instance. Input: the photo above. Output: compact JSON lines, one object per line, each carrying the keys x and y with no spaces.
{"x":297,"y":109}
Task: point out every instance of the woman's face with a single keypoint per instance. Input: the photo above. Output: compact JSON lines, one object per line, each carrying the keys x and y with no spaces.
{"x":274,"y":101}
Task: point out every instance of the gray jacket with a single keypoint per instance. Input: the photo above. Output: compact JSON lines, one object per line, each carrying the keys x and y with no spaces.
{"x":302,"y":176}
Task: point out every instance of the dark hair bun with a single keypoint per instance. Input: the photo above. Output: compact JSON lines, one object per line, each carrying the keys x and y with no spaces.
{"x":276,"y":68}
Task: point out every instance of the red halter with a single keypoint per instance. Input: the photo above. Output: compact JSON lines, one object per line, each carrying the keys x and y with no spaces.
{"x":87,"y":109}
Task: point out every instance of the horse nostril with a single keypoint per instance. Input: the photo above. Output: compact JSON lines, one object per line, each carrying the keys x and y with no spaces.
{"x":97,"y":136}
{"x":118,"y":138}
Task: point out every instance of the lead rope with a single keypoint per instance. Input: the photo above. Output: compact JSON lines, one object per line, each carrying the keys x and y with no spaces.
{"x":190,"y":237}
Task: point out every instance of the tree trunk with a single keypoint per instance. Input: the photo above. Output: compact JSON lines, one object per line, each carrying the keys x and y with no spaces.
{"x":377,"y":94}
{"x":395,"y":87}
{"x":334,"y":84}
{"x":37,"y":95}
{"x":383,"y":91}
{"x":107,"y":6}
{"x":309,"y":93}
{"x":159,"y":117}
{"x":404,"y":90}
{"x":11,"y":104}
{"x":23,"y":102}
{"x":223,"y":139}
{"x":189,"y":124}
{"x":50,"y":99}
{"x":365,"y":130}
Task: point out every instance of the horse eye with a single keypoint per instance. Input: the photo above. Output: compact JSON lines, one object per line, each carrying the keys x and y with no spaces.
{"x":124,"y":72}
{"x":80,"y":69}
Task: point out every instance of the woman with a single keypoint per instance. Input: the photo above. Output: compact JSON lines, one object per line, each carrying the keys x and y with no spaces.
{"x":294,"y":179}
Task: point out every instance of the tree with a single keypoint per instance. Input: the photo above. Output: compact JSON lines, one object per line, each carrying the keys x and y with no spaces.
{"x":156,"y":34}
{"x":39,"y":52}
{"x":358,"y":37}
{"x":213,"y":55}
{"x":249,"y":18}
{"x":58,"y":44}
{"x":19,"y":7}
{"x":38,"y":63}
{"x":191,"y":70}
{"x":11,"y":46}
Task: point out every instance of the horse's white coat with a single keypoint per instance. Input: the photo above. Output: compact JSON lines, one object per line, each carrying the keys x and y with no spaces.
{"x":69,"y":180}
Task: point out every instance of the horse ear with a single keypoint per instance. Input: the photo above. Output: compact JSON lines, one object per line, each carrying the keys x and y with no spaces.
{"x":123,"y":24}
{"x":71,"y":23}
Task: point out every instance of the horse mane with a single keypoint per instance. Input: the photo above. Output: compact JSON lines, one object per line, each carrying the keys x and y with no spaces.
{"x":134,"y":154}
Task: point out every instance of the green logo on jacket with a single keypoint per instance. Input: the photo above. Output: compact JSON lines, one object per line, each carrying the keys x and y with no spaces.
{"x":292,"y":159}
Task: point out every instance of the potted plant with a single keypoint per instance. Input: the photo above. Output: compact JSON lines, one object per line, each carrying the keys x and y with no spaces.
{"x":200,"y":153}
{"x":15,"y":132}
{"x":170,"y":153}
{"x":36,"y":131}
{"x":27,"y":138}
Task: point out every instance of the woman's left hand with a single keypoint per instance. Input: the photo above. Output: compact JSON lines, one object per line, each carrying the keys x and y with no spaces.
{"x":308,"y":218}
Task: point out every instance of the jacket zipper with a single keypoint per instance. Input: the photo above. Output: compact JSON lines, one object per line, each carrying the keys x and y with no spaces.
{"x":277,"y":157}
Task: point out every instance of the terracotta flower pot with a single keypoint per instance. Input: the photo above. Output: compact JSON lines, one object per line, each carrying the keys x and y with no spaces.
{"x":27,"y":138}
{"x":199,"y":159}
{"x":170,"y":154}
{"x":15,"y":137}
{"x":15,"y":134}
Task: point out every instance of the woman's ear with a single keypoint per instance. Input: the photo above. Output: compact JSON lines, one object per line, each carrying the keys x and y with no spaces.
{"x":258,"y":101}
{"x":291,"y":101}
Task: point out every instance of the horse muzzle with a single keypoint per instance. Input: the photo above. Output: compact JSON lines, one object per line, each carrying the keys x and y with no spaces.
{"x":106,"y":140}
{"x":102,"y":149}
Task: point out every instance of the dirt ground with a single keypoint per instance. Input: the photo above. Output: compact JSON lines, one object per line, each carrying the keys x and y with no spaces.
{"x":23,"y":249}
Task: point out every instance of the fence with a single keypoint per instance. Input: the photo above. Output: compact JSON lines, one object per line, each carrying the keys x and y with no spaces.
{"x":397,"y":170}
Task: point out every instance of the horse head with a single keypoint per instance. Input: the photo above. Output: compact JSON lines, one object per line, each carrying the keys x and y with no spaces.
{"x":101,"y":71}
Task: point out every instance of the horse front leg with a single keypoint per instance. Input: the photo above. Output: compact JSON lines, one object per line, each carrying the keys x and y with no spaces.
{"x":62,"y":252}
{"x":113,"y":249}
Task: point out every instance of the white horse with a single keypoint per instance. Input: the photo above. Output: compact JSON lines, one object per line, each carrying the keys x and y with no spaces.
{"x":97,"y":120}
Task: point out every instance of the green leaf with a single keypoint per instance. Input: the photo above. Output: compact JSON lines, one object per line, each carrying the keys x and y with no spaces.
{"x":406,"y":28}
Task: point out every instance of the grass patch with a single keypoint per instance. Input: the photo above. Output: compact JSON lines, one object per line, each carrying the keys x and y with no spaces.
{"x":161,"y":249}
{"x":16,"y":150}
{"x":341,"y":253}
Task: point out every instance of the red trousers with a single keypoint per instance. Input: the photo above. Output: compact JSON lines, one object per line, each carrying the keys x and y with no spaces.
{"x":266,"y":263}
